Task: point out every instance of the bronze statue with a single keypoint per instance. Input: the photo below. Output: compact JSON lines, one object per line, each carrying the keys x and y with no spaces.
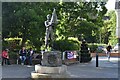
{"x":50,"y":24}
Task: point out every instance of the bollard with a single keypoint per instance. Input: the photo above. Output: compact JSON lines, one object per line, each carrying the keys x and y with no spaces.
{"x":17,"y":61}
{"x":96,"y":59}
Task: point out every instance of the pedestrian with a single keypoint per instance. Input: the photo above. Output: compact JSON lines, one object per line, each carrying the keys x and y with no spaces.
{"x":109,"y":48}
{"x":5,"y":57}
{"x":22,"y":55}
{"x":30,"y":55}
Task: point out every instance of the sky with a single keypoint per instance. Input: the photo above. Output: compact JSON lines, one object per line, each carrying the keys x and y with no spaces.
{"x":111,"y":5}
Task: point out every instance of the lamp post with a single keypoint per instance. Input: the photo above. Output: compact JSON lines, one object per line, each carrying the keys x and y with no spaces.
{"x":117,"y":8}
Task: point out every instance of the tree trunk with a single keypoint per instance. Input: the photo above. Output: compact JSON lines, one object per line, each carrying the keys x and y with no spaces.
{"x":23,"y":42}
{"x":24,"y":37}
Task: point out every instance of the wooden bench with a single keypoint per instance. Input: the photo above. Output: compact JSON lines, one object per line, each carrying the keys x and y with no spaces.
{"x":36,"y":59}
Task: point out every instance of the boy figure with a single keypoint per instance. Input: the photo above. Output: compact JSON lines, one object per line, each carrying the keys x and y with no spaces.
{"x":50,"y":26}
{"x":49,"y":31}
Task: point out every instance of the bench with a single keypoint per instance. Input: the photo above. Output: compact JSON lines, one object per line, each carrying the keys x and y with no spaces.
{"x":36,"y":59}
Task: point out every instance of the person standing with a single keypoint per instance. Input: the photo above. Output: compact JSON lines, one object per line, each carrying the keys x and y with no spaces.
{"x":22,"y":54}
{"x":5,"y":57}
{"x":109,"y":48}
{"x":30,"y":56}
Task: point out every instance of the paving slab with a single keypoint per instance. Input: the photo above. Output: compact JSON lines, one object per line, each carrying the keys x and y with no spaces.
{"x":106,"y":69}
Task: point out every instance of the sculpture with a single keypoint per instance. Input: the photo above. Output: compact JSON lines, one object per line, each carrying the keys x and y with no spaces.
{"x":51,"y":66}
{"x":50,"y":24}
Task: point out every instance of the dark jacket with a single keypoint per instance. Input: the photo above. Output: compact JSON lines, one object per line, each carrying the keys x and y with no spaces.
{"x":30,"y":53}
{"x":22,"y":52}
{"x":109,"y":48}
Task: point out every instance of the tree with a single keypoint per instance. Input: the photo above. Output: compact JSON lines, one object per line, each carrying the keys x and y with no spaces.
{"x":77,"y":19}
{"x":109,"y":29}
{"x":25,"y":20}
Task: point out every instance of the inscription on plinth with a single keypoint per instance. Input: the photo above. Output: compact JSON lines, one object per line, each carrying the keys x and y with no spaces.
{"x":52,"y":59}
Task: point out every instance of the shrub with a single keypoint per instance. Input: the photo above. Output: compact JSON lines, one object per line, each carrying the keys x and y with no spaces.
{"x":13,"y":55}
{"x":93,"y":47}
{"x":85,"y":55}
{"x":64,"y":45}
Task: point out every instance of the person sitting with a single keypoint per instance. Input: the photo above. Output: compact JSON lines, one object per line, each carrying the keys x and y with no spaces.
{"x":30,"y":56}
{"x":22,"y":54}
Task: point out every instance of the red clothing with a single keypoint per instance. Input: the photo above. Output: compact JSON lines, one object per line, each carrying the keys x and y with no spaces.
{"x":5,"y":54}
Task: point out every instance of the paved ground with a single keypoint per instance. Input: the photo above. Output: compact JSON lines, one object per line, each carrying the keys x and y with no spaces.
{"x":106,"y":69}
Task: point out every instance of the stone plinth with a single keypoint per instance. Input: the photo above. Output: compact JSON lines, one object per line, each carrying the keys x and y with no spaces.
{"x":52,"y":58}
{"x":51,"y":66}
{"x":50,"y":72}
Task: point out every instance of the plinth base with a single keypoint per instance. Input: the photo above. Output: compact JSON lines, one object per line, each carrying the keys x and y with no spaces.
{"x":35,"y":75}
{"x":50,"y":72}
{"x":47,"y":69}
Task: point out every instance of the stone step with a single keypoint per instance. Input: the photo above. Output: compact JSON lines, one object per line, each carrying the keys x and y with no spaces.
{"x":46,"y":69}
{"x":35,"y":75}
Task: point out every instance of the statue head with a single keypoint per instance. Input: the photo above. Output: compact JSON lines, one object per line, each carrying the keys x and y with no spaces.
{"x":48,"y":17}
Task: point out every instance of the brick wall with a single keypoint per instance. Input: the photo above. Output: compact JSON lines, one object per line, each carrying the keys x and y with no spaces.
{"x":103,"y":54}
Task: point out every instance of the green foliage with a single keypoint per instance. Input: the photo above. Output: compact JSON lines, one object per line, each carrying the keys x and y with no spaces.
{"x":64,"y":45}
{"x":85,"y":57}
{"x":75,"y":19}
{"x":85,"y":54}
{"x":13,"y":55}
{"x":43,"y":48}
{"x":12,"y":44}
{"x":93,"y":47}
{"x":4,"y":44}
{"x":112,"y":37}
{"x":24,"y":20}
{"x":108,"y":31}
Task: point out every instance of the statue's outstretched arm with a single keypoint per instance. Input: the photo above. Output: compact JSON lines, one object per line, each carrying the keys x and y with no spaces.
{"x":46,"y":24}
